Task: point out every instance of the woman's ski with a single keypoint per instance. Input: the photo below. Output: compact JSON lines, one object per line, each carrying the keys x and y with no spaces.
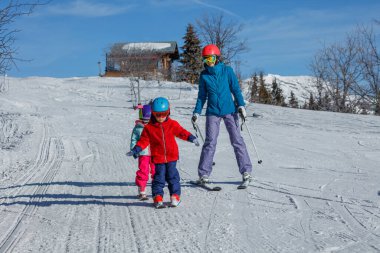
{"x":208,"y":187}
{"x":244,"y":185}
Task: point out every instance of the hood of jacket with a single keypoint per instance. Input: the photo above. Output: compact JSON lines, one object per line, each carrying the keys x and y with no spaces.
{"x":215,"y":70}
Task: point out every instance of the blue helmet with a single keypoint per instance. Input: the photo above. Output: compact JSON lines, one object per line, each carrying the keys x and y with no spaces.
{"x":160,"y":104}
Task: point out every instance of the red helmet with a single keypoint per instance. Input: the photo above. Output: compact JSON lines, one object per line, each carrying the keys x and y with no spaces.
{"x":210,"y":49}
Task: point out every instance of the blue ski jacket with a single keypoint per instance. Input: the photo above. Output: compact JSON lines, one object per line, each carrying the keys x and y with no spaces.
{"x":220,"y":87}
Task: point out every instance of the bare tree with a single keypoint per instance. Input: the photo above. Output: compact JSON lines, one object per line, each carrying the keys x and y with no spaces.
{"x":215,"y":29}
{"x":369,"y":59}
{"x":8,"y":15}
{"x":318,"y":68}
{"x":350,"y":73}
{"x":337,"y":65}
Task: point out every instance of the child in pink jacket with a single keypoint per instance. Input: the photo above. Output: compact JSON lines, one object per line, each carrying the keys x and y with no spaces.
{"x":146,"y":166}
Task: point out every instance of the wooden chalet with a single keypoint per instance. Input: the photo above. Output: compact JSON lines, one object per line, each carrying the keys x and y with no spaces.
{"x":143,"y":59}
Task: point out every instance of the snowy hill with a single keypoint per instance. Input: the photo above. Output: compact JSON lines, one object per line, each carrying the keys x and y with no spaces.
{"x":301,"y":86}
{"x":67,"y":186}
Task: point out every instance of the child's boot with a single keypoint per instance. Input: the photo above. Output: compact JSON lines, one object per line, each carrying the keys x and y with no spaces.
{"x":142,"y":194}
{"x":158,"y":202}
{"x":175,"y":200}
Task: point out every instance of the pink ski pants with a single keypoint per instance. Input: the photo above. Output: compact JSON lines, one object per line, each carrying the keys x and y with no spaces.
{"x":142,"y":174}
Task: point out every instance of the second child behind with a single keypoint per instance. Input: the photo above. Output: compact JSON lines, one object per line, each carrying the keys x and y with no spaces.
{"x":160,"y":134}
{"x":145,"y":164}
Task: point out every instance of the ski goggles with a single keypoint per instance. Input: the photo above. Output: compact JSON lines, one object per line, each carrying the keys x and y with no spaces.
{"x":209,"y":59}
{"x":161,"y":114}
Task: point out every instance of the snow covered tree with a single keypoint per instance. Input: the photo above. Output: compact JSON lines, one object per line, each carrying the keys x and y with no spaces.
{"x":191,"y":57}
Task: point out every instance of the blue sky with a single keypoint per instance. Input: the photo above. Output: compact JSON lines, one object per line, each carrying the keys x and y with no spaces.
{"x":68,"y":38}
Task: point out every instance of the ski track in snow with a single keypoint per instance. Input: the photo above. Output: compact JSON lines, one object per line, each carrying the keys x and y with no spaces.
{"x":68,"y":186}
{"x":48,"y":161}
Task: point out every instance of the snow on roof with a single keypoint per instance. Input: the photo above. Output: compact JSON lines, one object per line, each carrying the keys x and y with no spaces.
{"x":164,"y":47}
{"x":146,"y":46}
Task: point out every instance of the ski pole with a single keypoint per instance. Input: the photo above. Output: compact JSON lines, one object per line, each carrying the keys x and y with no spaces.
{"x":250,"y":136}
{"x":197,"y":130}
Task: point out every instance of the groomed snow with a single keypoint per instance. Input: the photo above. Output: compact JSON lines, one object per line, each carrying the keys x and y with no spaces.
{"x":67,"y":186}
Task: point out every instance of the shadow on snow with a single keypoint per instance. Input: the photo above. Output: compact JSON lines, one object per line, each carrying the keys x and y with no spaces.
{"x":71,"y":199}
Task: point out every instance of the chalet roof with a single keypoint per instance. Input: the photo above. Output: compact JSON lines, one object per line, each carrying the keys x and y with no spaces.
{"x":165,"y":47}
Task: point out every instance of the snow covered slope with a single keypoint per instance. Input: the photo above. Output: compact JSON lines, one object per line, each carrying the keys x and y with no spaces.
{"x":67,"y":186}
{"x":301,"y":86}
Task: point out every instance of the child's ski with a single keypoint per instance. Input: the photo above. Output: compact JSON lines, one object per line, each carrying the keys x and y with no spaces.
{"x":206,"y":186}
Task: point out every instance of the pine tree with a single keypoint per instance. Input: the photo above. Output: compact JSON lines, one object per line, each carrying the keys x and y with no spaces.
{"x":312,"y":104}
{"x":254,"y":88}
{"x":277,"y":94}
{"x":324,"y":103}
{"x":274,"y":91}
{"x":293,"y":102}
{"x":191,"y":57}
{"x":377,"y":104}
{"x":264,"y":96}
{"x":280,"y":98}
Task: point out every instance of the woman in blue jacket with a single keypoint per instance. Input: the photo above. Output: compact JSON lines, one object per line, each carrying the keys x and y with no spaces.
{"x":219,"y":86}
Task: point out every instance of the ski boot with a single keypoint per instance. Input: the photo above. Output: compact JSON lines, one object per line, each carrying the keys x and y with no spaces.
{"x":158,"y":202}
{"x":175,"y":200}
{"x":204,"y":180}
{"x":142,"y":194}
{"x":247,"y":178}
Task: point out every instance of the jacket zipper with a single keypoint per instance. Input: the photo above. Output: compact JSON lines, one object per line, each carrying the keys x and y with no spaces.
{"x":163,"y":140}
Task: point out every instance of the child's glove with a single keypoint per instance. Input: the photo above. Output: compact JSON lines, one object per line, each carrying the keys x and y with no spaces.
{"x":132,"y":153}
{"x":194,"y":118}
{"x":196,"y":142}
{"x":242,"y":112}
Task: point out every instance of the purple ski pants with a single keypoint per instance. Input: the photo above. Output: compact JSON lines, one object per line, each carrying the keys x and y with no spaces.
{"x":208,"y":150}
